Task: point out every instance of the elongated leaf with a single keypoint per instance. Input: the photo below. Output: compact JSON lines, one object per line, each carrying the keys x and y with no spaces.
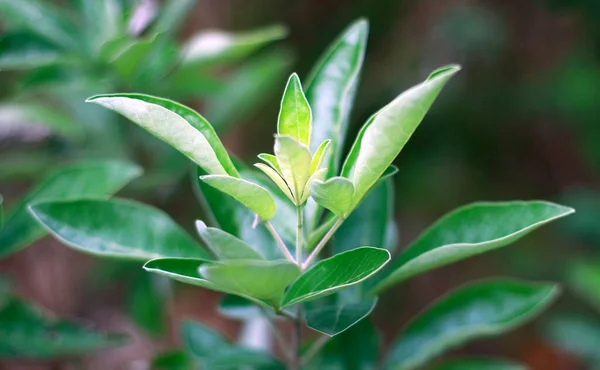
{"x":333,"y":274}
{"x":584,"y":279}
{"x":224,"y":245}
{"x":468,"y":231}
{"x":172,"y":15}
{"x":320,"y":153}
{"x":146,"y":305}
{"x":178,"y":125}
{"x":480,"y":309}
{"x":334,"y":319}
{"x":263,"y":280}
{"x":116,"y":228}
{"x":294,"y":115}
{"x":28,"y":332}
{"x":42,"y":18}
{"x":277,"y":179}
{"x":335,"y":194}
{"x":25,"y":51}
{"x":12,"y":114}
{"x":294,"y":161}
{"x":476,"y":363}
{"x":253,"y":196}
{"x":384,"y":135}
{"x":89,"y":180}
{"x":331,"y":89}
{"x":103,"y":22}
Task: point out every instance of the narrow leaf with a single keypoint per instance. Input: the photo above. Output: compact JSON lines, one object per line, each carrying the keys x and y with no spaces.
{"x":335,"y":273}
{"x":178,"y":125}
{"x":335,"y":194}
{"x":116,"y":228}
{"x":224,"y":245}
{"x":317,"y":158}
{"x":294,"y":161}
{"x":253,"y":196}
{"x":294,"y":114}
{"x":84,"y":180}
{"x":477,"y":310}
{"x":468,"y":231}
{"x":172,"y":15}
{"x":334,"y":319}
{"x":277,"y":179}
{"x":271,"y":160}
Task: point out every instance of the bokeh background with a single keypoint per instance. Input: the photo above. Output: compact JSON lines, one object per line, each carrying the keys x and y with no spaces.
{"x":519,"y":122}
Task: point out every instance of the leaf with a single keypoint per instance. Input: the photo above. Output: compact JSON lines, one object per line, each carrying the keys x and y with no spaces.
{"x":576,"y":335}
{"x":331,"y":89}
{"x":103,"y":22}
{"x":24,"y":115}
{"x":584,"y":278}
{"x":172,"y":14}
{"x":277,"y":179}
{"x":477,"y":310}
{"x":334,"y":319}
{"x":25,"y":51}
{"x":475,"y":363}
{"x":263,"y":280}
{"x":294,"y":114}
{"x":253,"y":196}
{"x":27,"y":332}
{"x":468,"y":231}
{"x":1,"y":212}
{"x":116,"y":228}
{"x":335,"y":273}
{"x":317,"y":158}
{"x":83,"y":180}
{"x":177,"y":125}
{"x":42,"y":18}
{"x":335,"y":194}
{"x":215,"y":46}
{"x":294,"y":161}
{"x":172,"y":360}
{"x":146,"y":305}
{"x":384,"y":135}
{"x":200,"y":339}
{"x":224,"y":245}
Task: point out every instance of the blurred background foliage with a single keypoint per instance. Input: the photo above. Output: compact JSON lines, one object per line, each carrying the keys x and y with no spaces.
{"x":520,"y":122}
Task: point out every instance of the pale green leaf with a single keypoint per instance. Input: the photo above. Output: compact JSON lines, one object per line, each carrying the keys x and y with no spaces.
{"x":336,"y":318}
{"x":477,"y":310}
{"x":294,"y":114}
{"x":317,"y":158}
{"x":224,"y":245}
{"x":116,"y":228}
{"x":177,"y":125}
{"x":271,"y":160}
{"x":318,"y":175}
{"x":335,"y":273}
{"x":254,"y":197}
{"x":468,"y":231}
{"x":384,"y":135}
{"x":83,"y":180}
{"x":276,"y":178}
{"x":294,"y":161}
{"x":335,"y":194}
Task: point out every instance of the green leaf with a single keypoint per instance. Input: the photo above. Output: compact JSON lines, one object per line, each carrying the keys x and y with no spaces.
{"x":12,"y":114}
{"x":584,"y":279}
{"x":222,"y":47}
{"x":83,"y":180}
{"x":475,"y":363}
{"x":576,"y":335}
{"x":1,"y":212}
{"x":384,"y":135}
{"x":334,"y":319}
{"x":25,"y":51}
{"x":294,"y":161}
{"x":332,"y":87}
{"x":294,"y":114}
{"x":42,"y":18}
{"x":178,"y":125}
{"x":116,"y":228}
{"x":335,"y":273}
{"x":263,"y":280}
{"x":28,"y":332}
{"x":201,"y":340}
{"x":172,"y":15}
{"x":335,"y":194}
{"x":103,"y":22}
{"x":146,"y":305}
{"x":224,"y":245}
{"x":173,"y":360}
{"x":253,"y":196}
{"x":277,"y":179}
{"x":317,"y":158}
{"x":476,"y":310}
{"x":468,"y":231}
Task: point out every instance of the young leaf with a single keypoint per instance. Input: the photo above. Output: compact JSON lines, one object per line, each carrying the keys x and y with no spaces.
{"x":294,"y":115}
{"x":116,"y":228}
{"x":468,"y":231}
{"x":263,"y":280}
{"x":253,"y":196}
{"x":335,"y":194}
{"x":331,"y":89}
{"x":224,"y":245}
{"x":384,"y":135}
{"x":476,"y":310}
{"x":28,"y":332}
{"x":271,"y":160}
{"x":177,"y":125}
{"x":317,"y":158}
{"x":475,"y":363}
{"x":277,"y":179}
{"x":334,"y":319}
{"x":294,"y":161}
{"x":87,"y":180}
{"x":336,"y":273}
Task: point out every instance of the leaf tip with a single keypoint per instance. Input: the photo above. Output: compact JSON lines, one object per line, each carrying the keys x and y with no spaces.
{"x":445,"y":71}
{"x":200,"y":227}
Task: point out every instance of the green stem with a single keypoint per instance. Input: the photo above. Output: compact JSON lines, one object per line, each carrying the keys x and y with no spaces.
{"x":322,"y":243}
{"x":299,"y":236}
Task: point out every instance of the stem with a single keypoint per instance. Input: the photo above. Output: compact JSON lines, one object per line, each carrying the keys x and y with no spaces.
{"x":322,"y":243}
{"x":299,"y":231}
{"x":314,"y":349}
{"x":297,"y":340}
{"x":280,"y":242}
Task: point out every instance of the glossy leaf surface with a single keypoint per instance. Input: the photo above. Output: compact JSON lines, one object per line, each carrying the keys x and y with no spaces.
{"x":468,"y":231}
{"x":224,"y":245}
{"x":84,"y":180}
{"x":333,"y":274}
{"x":334,"y":319}
{"x":294,"y":115}
{"x":116,"y":228}
{"x":477,"y":310}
